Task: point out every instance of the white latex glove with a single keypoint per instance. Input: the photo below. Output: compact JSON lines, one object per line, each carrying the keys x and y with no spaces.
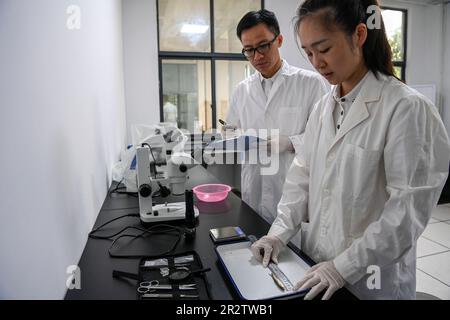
{"x":279,"y":144}
{"x":319,"y":277}
{"x":267,"y":248}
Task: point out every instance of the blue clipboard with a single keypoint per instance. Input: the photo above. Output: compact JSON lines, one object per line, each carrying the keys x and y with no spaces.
{"x":240,"y":144}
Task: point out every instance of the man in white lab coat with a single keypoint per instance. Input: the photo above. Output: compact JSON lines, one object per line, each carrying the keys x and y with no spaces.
{"x":278,"y":96}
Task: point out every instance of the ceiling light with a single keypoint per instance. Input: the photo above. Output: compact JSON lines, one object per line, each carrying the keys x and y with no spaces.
{"x":194,"y":28}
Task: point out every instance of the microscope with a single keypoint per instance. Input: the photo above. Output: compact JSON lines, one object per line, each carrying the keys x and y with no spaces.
{"x":160,"y":170}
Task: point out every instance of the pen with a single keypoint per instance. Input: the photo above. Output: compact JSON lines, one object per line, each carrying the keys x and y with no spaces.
{"x":222,"y":122}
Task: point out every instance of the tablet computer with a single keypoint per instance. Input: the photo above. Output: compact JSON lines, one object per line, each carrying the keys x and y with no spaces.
{"x":226,"y":234}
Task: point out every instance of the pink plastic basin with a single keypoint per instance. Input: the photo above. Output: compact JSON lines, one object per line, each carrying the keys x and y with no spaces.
{"x":211,"y":192}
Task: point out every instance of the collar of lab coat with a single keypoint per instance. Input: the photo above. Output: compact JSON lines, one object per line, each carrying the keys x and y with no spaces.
{"x":279,"y":79}
{"x":274,"y":77}
{"x":370,"y":92}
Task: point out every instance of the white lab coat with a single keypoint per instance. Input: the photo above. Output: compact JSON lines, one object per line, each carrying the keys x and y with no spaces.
{"x":290,"y":102}
{"x":363,"y":196}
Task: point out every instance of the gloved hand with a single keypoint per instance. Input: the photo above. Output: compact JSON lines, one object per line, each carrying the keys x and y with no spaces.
{"x":267,"y":248}
{"x":321,"y":276}
{"x":279,"y":144}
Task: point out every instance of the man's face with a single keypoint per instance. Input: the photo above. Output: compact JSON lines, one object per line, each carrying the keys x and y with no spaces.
{"x":266,"y":62}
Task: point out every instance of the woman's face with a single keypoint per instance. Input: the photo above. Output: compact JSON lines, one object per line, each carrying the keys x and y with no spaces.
{"x":334,"y":55}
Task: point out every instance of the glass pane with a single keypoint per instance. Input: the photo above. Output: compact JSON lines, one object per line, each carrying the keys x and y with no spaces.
{"x":393,"y":21}
{"x":229,"y":74}
{"x":184,"y":25}
{"x":227,"y":14}
{"x":398,"y":72}
{"x":187,"y":93}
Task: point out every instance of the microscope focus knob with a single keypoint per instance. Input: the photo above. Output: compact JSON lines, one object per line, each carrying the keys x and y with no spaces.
{"x":145,"y":190}
{"x":183,"y":168}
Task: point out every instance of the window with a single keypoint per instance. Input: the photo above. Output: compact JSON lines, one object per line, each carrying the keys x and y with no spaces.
{"x":200,"y":59}
{"x":395,"y":21}
{"x":187,"y":93}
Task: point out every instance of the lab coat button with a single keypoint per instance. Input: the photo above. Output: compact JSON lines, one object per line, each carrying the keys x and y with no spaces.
{"x":330,"y":159}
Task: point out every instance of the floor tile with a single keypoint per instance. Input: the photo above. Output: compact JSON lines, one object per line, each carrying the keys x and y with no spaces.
{"x":441,"y":212}
{"x":427,"y":284}
{"x":427,"y":247}
{"x":439,"y":233}
{"x":433,"y":220}
{"x":437,"y":266}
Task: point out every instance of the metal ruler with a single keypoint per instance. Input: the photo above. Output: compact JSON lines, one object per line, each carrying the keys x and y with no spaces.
{"x":280,"y":279}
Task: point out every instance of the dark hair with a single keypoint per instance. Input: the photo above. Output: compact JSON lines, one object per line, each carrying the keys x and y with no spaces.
{"x":254,"y":18}
{"x":346,"y":15}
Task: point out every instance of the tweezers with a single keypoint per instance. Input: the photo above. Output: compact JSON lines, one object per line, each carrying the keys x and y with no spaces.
{"x":278,"y":282}
{"x":170,"y":287}
{"x":167,"y":295}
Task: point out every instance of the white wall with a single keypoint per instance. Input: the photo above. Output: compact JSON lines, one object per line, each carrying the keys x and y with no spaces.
{"x":424,"y":44}
{"x":446,"y":69}
{"x":285,"y":11}
{"x":62,"y":125}
{"x":140,"y":62}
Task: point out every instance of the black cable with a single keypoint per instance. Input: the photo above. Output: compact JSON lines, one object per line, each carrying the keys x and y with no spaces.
{"x":150,"y":231}
{"x":128,"y":193}
{"x":156,"y":194}
{"x":116,"y":188}
{"x":154,"y":159}
{"x":151,"y":151}
{"x":91,"y":234}
{"x":180,"y":232}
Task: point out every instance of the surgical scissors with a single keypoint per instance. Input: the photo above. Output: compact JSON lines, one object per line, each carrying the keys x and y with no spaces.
{"x":153,"y":285}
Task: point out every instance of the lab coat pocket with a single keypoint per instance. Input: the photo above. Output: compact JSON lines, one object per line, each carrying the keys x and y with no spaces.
{"x":360,"y":170}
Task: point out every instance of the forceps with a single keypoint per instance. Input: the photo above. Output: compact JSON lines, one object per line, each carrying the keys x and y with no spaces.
{"x":153,"y":285}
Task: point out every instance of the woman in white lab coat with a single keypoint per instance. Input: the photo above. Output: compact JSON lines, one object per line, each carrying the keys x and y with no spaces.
{"x":374,"y":159}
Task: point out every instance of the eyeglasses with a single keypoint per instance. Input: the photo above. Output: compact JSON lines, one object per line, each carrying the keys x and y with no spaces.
{"x":262,"y":49}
